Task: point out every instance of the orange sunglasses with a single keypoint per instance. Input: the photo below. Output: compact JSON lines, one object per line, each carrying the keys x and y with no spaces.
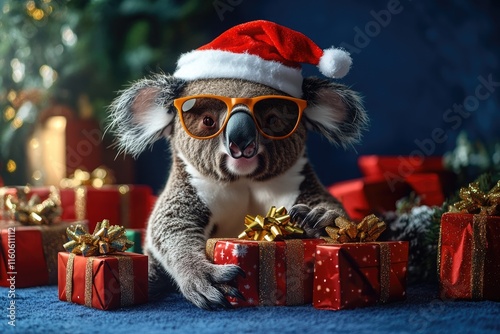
{"x":206,"y":116}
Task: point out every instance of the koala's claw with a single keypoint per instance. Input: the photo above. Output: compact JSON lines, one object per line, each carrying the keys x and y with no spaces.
{"x":314,"y":220}
{"x":207,"y":288}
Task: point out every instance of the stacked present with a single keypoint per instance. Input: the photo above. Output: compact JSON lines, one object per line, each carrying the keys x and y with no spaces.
{"x":283,"y":269}
{"x":89,"y":196}
{"x":387,"y":179}
{"x":98,"y":273}
{"x":31,"y":235}
{"x":470,"y":246}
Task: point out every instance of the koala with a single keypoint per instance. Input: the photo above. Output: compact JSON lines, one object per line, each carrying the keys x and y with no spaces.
{"x":238,"y":146}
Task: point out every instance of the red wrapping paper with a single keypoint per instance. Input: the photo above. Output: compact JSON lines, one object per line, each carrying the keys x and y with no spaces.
{"x":461,"y":256}
{"x":379,"y":166}
{"x":107,"y":285}
{"x":33,"y":255}
{"x":361,"y":197}
{"x":286,"y":280}
{"x":348,"y":275}
{"x":125,"y":205}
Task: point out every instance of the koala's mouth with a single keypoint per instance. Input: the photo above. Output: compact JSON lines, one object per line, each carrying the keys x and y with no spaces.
{"x":242,"y":166}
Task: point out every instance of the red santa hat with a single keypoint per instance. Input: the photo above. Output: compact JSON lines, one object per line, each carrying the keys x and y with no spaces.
{"x":262,"y":52}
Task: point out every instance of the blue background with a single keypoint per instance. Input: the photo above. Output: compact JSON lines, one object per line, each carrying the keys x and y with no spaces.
{"x":411,"y":70}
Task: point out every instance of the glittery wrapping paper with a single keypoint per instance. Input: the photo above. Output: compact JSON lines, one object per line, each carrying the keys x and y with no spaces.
{"x":469,"y":265}
{"x":125,"y":205}
{"x":350,"y":275}
{"x":36,"y":249}
{"x":103,"y":282}
{"x":277,"y":272}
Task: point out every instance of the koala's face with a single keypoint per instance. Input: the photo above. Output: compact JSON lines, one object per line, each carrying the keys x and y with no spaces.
{"x":146,"y":111}
{"x":240,"y":150}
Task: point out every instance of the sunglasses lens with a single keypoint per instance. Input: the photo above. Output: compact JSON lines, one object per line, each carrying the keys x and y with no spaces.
{"x":203,"y":116}
{"x":276,"y":117}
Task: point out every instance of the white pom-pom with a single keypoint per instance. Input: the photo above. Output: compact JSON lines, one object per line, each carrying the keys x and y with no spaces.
{"x":335,"y":63}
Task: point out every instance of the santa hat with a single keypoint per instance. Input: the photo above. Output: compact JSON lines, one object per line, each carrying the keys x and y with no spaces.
{"x":262,"y":52}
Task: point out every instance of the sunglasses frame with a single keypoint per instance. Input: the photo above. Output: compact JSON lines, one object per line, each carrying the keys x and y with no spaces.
{"x":231,"y":102}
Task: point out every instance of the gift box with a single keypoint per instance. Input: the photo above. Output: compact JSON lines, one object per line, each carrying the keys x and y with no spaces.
{"x":136,"y":235}
{"x":385,"y":166}
{"x":126,"y":205}
{"x":104,"y":282}
{"x":361,"y":197}
{"x":354,"y":275}
{"x":469,"y":251}
{"x":277,"y":272}
{"x":28,"y":254}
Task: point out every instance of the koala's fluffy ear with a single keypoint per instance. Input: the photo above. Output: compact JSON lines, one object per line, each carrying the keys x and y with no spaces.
{"x":334,"y":111}
{"x":142,"y":113}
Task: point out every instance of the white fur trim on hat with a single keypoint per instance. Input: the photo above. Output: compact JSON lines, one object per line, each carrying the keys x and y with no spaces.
{"x":335,"y":63}
{"x":207,"y":64}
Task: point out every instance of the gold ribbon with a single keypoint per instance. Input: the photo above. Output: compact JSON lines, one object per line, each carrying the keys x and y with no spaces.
{"x":97,"y":178}
{"x":105,"y":239}
{"x":33,"y":211}
{"x":69,"y":276}
{"x":478,"y":255}
{"x":385,"y":271}
{"x":294,"y":272}
{"x":276,"y":225}
{"x":369,"y":229}
{"x":80,"y":203}
{"x":476,"y":201}
{"x":267,"y":274}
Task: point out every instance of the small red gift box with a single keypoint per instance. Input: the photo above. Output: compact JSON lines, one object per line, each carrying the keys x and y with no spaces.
{"x":469,"y":251}
{"x":103,"y":282}
{"x":359,"y":274}
{"x":125,"y":205}
{"x":28,"y":254}
{"x":277,"y":272}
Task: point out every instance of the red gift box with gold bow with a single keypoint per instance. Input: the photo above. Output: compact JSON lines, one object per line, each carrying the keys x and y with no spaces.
{"x":28,"y":254}
{"x":354,"y":271}
{"x":276,"y":272}
{"x":127,"y":205}
{"x":103,"y":282}
{"x":354,"y":275}
{"x":469,"y":246}
{"x":97,"y":273}
{"x":31,"y":235}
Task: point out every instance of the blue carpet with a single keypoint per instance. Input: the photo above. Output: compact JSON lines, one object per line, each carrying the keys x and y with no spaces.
{"x":38,"y":310}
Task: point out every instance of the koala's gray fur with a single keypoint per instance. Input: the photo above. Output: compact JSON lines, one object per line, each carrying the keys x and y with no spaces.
{"x":208,"y":193}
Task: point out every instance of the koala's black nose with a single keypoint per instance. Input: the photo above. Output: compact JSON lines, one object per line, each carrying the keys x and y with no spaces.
{"x":241,"y":135}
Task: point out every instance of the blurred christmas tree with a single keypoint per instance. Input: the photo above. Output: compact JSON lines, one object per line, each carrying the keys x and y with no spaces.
{"x":79,"y":54}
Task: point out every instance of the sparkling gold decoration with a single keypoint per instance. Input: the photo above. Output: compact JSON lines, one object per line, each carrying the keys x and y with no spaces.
{"x":476,"y":201}
{"x":97,"y":178}
{"x":33,"y":211}
{"x":105,"y":239}
{"x":369,"y":229}
{"x":276,"y":225}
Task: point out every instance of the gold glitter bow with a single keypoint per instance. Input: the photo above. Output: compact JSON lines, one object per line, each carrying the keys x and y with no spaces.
{"x":275,"y":225}
{"x":476,"y":201}
{"x":97,"y":178}
{"x":33,"y":211}
{"x":105,"y":239}
{"x":369,"y":229}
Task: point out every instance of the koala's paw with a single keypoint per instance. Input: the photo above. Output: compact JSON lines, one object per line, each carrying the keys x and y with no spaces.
{"x":207,"y":287}
{"x":314,"y":220}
